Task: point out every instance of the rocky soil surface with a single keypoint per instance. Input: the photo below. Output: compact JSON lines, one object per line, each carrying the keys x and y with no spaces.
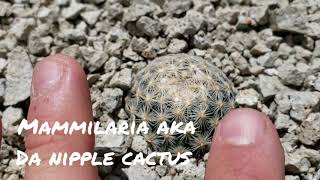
{"x":270,"y":49}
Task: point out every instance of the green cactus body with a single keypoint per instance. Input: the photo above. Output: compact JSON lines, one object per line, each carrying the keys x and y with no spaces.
{"x":180,"y":88}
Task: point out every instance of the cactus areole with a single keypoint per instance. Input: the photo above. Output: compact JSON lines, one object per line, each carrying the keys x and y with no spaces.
{"x":180,"y":88}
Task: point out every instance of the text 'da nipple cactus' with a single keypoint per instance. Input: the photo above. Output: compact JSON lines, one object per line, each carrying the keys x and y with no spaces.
{"x":180,"y":88}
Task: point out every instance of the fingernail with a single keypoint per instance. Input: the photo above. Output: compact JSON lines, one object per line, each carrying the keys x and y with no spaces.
{"x":46,"y":77}
{"x":242,"y":127}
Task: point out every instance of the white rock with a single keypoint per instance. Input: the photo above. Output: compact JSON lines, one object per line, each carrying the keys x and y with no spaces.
{"x":73,"y":10}
{"x":177,"y":46}
{"x":110,"y":99}
{"x":192,"y":170}
{"x":309,"y":132}
{"x":18,"y":77}
{"x":91,"y":17}
{"x":298,"y":104}
{"x":148,"y":26}
{"x":283,"y":122}
{"x":3,"y":64}
{"x":95,"y":58}
{"x":138,"y":172}
{"x":269,"y":86}
{"x":248,"y":97}
{"x":22,"y":27}
{"x":122,"y":79}
{"x":292,"y":177}
{"x":139,"y":144}
{"x":4,"y":8}
{"x":11,"y":117}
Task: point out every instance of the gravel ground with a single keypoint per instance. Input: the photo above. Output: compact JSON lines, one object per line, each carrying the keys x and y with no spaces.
{"x":270,"y":49}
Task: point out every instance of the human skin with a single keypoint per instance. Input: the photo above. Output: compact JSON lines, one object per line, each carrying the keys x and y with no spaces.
{"x":246,"y":145}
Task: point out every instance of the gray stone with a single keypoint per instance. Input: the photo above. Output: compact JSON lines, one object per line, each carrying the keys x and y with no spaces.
{"x":48,"y":14}
{"x":228,"y":14}
{"x":112,"y":64}
{"x":297,"y":104}
{"x":269,"y":86}
{"x":148,"y":26}
{"x":3,"y":65}
{"x":132,"y":55}
{"x":219,"y":46}
{"x":62,"y":2}
{"x":188,"y":170}
{"x":317,"y":175}
{"x":116,"y":48}
{"x":13,"y":177}
{"x":122,"y":79}
{"x":22,"y":27}
{"x":122,"y":114}
{"x":73,"y":10}
{"x":73,"y":35}
{"x":301,"y":160}
{"x":180,"y":28}
{"x":259,"y":14}
{"x":177,"y":46}
{"x":91,"y":17}
{"x":281,"y":3}
{"x":283,"y":122}
{"x":139,"y":172}
{"x":259,"y":49}
{"x":117,"y":143}
{"x":291,"y":75}
{"x":2,"y":89}
{"x":309,"y":132}
{"x":302,"y":54}
{"x":177,"y":7}
{"x":139,"y":44}
{"x":247,"y":97}
{"x":197,"y":19}
{"x":139,"y":144}
{"x":135,"y":11}
{"x":308,"y":43}
{"x":240,"y":62}
{"x":289,"y":177}
{"x":312,"y":155}
{"x":117,"y":33}
{"x":296,"y":164}
{"x":317,"y":84}
{"x":36,"y":45}
{"x":4,"y":9}
{"x":285,"y":50}
{"x":315,"y":65}
{"x":18,"y":77}
{"x":92,"y":78}
{"x":289,"y":142}
{"x":110,"y":99}
{"x":166,"y":178}
{"x":113,"y":11}
{"x":95,"y":58}
{"x":10,"y":119}
{"x":162,"y":170}
{"x":316,"y":52}
{"x":268,"y":60}
{"x":240,"y":41}
{"x":201,"y":40}
{"x":149,"y":53}
{"x":295,"y":19}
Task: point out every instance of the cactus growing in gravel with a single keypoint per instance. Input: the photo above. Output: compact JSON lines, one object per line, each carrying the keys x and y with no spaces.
{"x":180,"y":88}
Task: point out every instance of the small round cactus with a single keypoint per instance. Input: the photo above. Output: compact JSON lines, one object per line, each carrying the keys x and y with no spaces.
{"x":180,"y":88}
